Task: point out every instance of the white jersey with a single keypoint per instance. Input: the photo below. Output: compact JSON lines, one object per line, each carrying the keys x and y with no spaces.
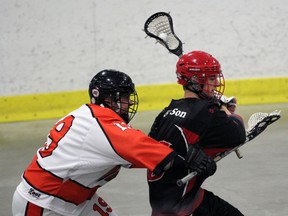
{"x":85,"y":150}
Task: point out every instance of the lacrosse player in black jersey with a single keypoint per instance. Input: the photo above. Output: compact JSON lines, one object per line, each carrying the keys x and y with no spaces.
{"x":200,"y":120}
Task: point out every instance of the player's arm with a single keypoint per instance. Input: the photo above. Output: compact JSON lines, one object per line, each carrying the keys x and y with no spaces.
{"x":196,"y":160}
{"x":144,"y":152}
{"x":224,"y":131}
{"x":229,"y":105}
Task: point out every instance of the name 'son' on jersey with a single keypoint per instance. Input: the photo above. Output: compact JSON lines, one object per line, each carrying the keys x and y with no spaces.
{"x":175,"y":112}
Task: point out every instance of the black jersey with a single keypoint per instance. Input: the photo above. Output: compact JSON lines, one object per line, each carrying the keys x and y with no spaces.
{"x":185,"y":122}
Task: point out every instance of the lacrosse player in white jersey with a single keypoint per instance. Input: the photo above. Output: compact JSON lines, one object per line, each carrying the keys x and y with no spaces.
{"x":86,"y":149}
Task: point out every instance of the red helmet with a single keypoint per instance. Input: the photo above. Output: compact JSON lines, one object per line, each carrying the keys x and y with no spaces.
{"x":201,"y":73}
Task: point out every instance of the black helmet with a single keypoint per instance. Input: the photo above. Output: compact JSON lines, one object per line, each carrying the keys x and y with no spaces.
{"x":114,"y":89}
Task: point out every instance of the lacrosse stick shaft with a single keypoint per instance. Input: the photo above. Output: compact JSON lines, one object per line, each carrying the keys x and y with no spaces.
{"x":238,"y":153}
{"x":252,"y":133}
{"x":181,"y":182}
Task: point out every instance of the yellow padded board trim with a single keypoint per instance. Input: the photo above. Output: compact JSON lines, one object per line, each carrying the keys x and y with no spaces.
{"x":152,"y":97}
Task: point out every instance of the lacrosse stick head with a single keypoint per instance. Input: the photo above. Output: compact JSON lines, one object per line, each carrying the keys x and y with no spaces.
{"x":160,"y":27}
{"x":259,"y":121}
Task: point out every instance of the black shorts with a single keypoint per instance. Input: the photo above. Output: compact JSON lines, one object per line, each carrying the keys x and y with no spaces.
{"x":213,"y":205}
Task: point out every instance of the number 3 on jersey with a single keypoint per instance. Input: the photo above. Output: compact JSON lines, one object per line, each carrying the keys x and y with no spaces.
{"x":56,"y":134}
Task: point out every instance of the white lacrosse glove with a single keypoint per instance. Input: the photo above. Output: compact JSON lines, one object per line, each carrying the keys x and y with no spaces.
{"x":229,"y":102}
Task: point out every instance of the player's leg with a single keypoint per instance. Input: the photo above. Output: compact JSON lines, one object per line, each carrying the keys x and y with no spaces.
{"x":21,"y":207}
{"x":213,"y":205}
{"x":97,"y":207}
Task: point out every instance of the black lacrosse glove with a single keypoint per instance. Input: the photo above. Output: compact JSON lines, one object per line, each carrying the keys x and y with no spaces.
{"x":197,"y":160}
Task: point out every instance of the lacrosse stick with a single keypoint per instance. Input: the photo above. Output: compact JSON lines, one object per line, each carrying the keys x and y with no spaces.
{"x":160,"y":27}
{"x":257,"y":123}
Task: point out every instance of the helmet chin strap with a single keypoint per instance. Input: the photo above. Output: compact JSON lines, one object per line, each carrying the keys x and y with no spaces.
{"x":193,"y":87}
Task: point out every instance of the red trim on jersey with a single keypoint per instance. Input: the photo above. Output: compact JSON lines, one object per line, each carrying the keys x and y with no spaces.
{"x":48,"y":183}
{"x":198,"y":199}
{"x":213,"y":152}
{"x":111,"y":174}
{"x":191,"y":137}
{"x":33,"y":210}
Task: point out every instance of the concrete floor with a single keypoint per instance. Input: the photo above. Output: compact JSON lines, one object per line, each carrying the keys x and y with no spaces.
{"x":256,"y":184}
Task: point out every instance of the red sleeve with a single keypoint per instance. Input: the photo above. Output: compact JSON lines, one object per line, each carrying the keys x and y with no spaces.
{"x":136,"y":147}
{"x":133,"y":145}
